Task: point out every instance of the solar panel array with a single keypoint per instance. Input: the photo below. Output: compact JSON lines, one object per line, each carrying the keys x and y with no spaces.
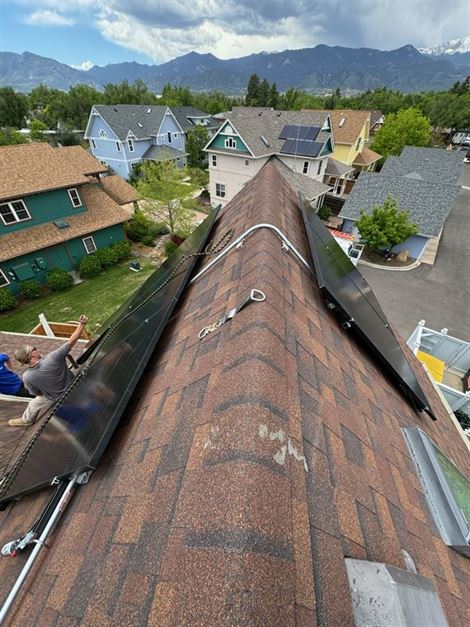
{"x":346,"y":290}
{"x":76,"y":436}
{"x":294,"y":131}
{"x":302,"y":147}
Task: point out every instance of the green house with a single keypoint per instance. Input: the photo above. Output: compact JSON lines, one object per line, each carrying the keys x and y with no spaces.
{"x":56,"y":206}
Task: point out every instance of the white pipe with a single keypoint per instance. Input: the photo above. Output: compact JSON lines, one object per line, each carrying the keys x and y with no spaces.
{"x":242,"y":237}
{"x":61,"y":505}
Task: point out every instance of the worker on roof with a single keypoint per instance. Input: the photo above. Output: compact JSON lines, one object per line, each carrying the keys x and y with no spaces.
{"x":10,"y":382}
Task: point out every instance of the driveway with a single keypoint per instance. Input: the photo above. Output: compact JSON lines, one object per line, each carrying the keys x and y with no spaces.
{"x":439,"y":294}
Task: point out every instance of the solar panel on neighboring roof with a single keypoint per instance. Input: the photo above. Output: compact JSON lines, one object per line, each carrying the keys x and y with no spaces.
{"x":347,"y":292}
{"x":76,"y":437}
{"x":301,"y":147}
{"x":294,"y":131}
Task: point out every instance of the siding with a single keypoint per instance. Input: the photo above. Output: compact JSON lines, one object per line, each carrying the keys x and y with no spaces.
{"x":232,"y":172}
{"x":219,"y":142}
{"x":43,"y":208}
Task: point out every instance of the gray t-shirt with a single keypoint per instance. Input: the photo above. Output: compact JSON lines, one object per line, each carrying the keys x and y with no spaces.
{"x":50,"y":376}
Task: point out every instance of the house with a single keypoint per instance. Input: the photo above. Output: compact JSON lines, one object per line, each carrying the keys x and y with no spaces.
{"x":377,"y":120}
{"x":54,"y":210}
{"x":122,"y":136}
{"x":250,"y":136}
{"x":424,"y":182}
{"x":267,"y":474}
{"x":189,"y":117}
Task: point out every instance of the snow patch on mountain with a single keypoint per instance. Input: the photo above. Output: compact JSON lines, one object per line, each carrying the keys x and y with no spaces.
{"x":454,"y":46}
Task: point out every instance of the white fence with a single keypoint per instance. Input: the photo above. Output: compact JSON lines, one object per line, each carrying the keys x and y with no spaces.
{"x":455,"y":353}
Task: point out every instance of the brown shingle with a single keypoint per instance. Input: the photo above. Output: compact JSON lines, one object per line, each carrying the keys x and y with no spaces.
{"x":32,"y":168}
{"x":119,"y":189}
{"x":346,"y":124}
{"x":101,"y":212}
{"x":367,"y":156}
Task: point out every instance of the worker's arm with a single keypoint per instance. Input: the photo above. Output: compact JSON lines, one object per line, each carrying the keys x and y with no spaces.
{"x":78,"y":331}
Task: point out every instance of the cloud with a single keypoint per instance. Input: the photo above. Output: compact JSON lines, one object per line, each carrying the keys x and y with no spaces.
{"x":85,"y":66}
{"x":48,"y":18}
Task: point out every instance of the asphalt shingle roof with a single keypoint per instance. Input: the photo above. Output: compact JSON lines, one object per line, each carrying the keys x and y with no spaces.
{"x":346,"y":124}
{"x":428,"y":203}
{"x":163,"y":153}
{"x":308,"y":187}
{"x":428,"y":164}
{"x":183,"y":113}
{"x":143,"y":120}
{"x":252,"y":123}
{"x":119,"y":189}
{"x":337,"y":168}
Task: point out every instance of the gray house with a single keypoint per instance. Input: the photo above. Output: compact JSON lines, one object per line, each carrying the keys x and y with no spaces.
{"x":424,"y":182}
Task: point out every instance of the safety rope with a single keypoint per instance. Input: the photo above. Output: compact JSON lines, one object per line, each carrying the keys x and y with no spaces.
{"x":8,"y":478}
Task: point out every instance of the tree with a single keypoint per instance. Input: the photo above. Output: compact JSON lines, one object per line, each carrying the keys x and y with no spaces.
{"x":10,"y":136}
{"x":123,"y":93}
{"x":273,"y":96}
{"x":165,"y":184}
{"x":263,"y":94}
{"x":37,"y":129}
{"x":386,"y":226}
{"x":13,"y":107}
{"x":405,"y":128}
{"x":252,"y":92}
{"x":197,"y":139}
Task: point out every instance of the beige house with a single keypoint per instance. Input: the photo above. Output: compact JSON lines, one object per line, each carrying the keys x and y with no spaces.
{"x":250,"y":136}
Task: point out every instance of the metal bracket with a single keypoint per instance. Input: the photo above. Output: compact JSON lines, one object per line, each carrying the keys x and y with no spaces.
{"x":84,"y":477}
{"x":255,"y":296}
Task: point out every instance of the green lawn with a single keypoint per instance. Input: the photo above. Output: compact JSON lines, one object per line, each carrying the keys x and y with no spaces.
{"x":97,"y":298}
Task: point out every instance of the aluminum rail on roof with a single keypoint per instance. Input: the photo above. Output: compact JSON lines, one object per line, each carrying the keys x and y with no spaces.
{"x":76,"y":436}
{"x":347,"y":292}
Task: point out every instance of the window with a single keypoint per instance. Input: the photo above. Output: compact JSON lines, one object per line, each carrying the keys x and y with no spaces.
{"x":305,"y":168}
{"x":14,"y":211}
{"x":74,"y":197}
{"x":130,"y":143}
{"x":220,"y":190}
{"x":214,"y":161}
{"x":118,"y":146}
{"x":319,"y":167}
{"x":358,"y":143}
{"x":93,"y":143}
{"x":447,"y":490}
{"x":230,"y":142}
{"x":176,"y":135}
{"x":247,"y":163}
{"x":102,"y":133}
{"x":89,"y":244}
{"x":169,"y":137}
{"x":3,"y":279}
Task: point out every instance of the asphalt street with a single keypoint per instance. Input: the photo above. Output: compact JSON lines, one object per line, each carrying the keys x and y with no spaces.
{"x":438,"y":294}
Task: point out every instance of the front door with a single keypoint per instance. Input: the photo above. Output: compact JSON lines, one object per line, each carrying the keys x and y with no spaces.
{"x":57,"y":257}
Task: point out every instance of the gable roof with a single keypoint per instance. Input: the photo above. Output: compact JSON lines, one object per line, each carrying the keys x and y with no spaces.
{"x":143,"y":121}
{"x":263,"y":454}
{"x":119,"y":189}
{"x":366,"y":157}
{"x":32,"y":168}
{"x":375,"y":116}
{"x":101,"y":212}
{"x":253,"y":123}
{"x":301,"y":183}
{"x":427,"y":164}
{"x":428,"y":204}
{"x":346,"y":124}
{"x":183,"y":113}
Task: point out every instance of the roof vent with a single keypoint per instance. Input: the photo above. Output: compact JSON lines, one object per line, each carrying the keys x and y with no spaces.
{"x":342,"y":121}
{"x":264,"y":140}
{"x":149,"y":110}
{"x":260,"y":113}
{"x":279,"y":114}
{"x":115,"y":109}
{"x":140,"y":125}
{"x":61,"y":223}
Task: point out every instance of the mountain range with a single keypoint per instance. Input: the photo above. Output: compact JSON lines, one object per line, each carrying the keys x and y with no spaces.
{"x":317,"y":69}
{"x":457,"y":50}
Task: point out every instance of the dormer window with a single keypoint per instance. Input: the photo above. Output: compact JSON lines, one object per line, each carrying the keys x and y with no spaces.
{"x":130,"y":143}
{"x":230,"y":142}
{"x":14,"y":211}
{"x":74,"y":197}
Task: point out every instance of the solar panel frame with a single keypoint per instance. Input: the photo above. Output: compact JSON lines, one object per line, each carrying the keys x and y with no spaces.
{"x":77,"y":435}
{"x":355,"y":304}
{"x":292,"y":131}
{"x":300,"y":148}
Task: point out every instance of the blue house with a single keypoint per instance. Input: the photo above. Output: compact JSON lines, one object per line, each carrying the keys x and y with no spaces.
{"x":122,"y":136}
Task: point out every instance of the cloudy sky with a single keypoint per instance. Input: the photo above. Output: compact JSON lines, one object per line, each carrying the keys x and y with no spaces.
{"x":80,"y":32}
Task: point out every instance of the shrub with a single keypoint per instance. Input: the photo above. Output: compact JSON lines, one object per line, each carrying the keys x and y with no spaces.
{"x":324,"y":213}
{"x":107,"y":256}
{"x":141,"y":229}
{"x":122,"y":250}
{"x":7,"y":300}
{"x":89,"y":266}
{"x":177,"y":238}
{"x":59,"y":279}
{"x":31,"y":289}
{"x":463,"y":418}
{"x":170,"y":247}
{"x":163,"y":229}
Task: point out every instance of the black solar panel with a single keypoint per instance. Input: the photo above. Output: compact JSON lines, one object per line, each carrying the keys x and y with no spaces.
{"x":76,"y":436}
{"x":292,"y":131}
{"x":301,"y":147}
{"x":355,"y":303}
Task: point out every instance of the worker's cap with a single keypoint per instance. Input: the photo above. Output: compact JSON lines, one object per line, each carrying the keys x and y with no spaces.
{"x":23,"y":354}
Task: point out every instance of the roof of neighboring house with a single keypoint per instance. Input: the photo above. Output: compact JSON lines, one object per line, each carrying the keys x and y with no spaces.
{"x":308,"y":187}
{"x":101,"y":212}
{"x":428,"y":203}
{"x":375,"y":116}
{"x":38,"y":167}
{"x":182,"y":114}
{"x":163,"y":153}
{"x":143,"y":121}
{"x":252,"y":123}
{"x":366,"y":157}
{"x":250,"y":463}
{"x":427,"y":164}
{"x":337,"y":168}
{"x":119,"y":189}
{"x":346,"y":124}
